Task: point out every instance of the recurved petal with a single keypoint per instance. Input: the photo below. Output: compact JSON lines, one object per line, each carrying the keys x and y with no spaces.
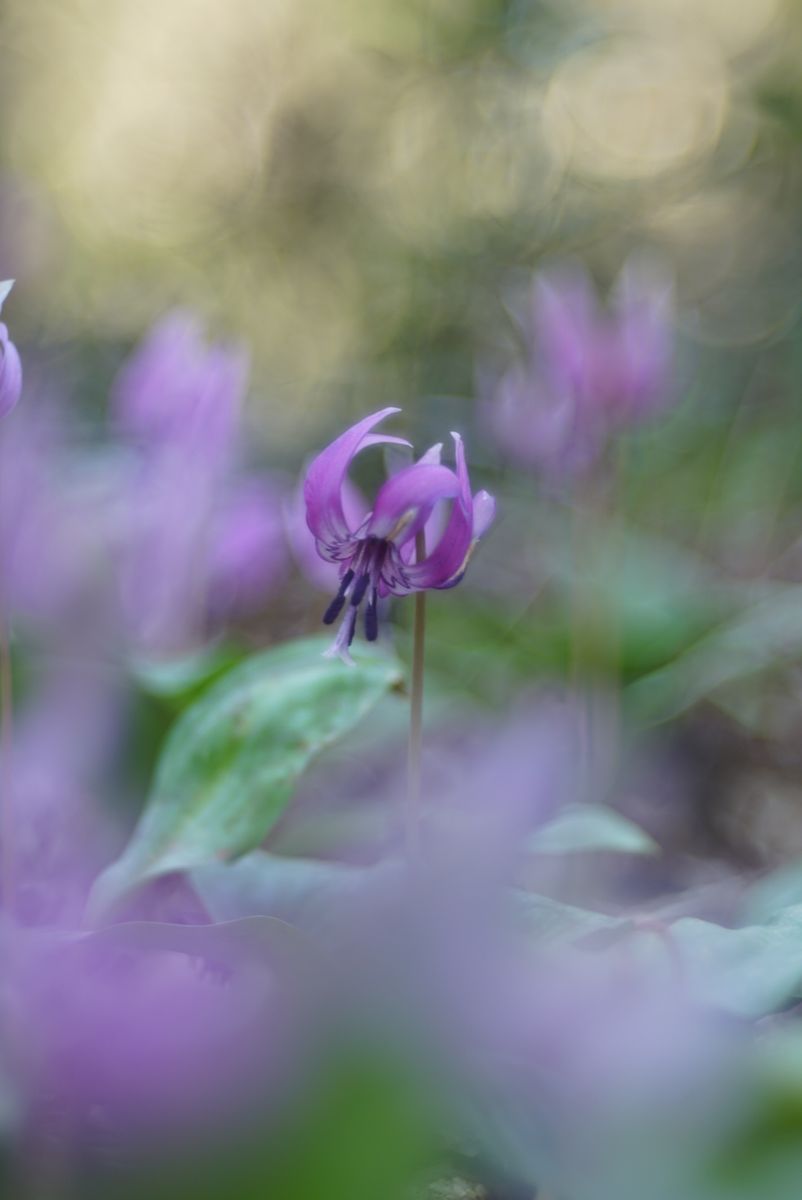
{"x":10,"y":373}
{"x":462,"y":471}
{"x":446,"y":563}
{"x":470,"y":519}
{"x":484,"y":513}
{"x":319,"y":571}
{"x":405,"y":502}
{"x":447,"y":560}
{"x":324,"y":479}
{"x":384,"y":439}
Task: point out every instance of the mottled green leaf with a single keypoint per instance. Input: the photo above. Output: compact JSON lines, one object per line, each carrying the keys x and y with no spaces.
{"x":231,"y":762}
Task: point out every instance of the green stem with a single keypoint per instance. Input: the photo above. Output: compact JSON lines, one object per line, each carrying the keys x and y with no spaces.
{"x":413,"y":812}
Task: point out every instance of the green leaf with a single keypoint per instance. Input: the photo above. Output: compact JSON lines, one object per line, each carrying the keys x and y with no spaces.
{"x":231,"y":762}
{"x":753,"y":970}
{"x":554,"y":921}
{"x":775,"y":892}
{"x":587,"y":827}
{"x":181,"y":677}
{"x":303,"y":891}
{"x":763,"y":636}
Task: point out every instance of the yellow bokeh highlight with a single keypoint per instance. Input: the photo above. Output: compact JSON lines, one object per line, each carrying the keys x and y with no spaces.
{"x":635,"y":107}
{"x":734,"y":25}
{"x":329,"y":179}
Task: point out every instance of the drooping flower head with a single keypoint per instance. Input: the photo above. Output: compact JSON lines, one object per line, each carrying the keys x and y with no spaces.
{"x":587,"y":372}
{"x":10,"y":365}
{"x":377,"y":557}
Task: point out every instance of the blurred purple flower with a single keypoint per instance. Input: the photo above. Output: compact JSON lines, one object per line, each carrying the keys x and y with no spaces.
{"x":376,"y":556}
{"x":130,"y":1039}
{"x":10,"y":365}
{"x":196,"y":551}
{"x":175,"y":390}
{"x":164,"y":553}
{"x":586,"y":373}
{"x":247,"y":554}
{"x":64,"y":740}
{"x":547,"y":1045}
{"x":28,"y":456}
{"x":199,"y":543}
{"x":56,"y":517}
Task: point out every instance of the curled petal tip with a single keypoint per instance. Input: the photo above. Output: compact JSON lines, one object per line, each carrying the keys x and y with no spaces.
{"x":484,"y":513}
{"x":432,"y":455}
{"x":325,"y":479}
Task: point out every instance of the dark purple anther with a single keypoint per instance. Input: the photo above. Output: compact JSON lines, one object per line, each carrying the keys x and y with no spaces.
{"x":372,"y":617}
{"x":360,"y":587}
{"x":335,"y":608}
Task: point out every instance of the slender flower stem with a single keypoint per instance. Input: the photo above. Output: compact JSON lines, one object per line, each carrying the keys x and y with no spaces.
{"x":6,"y":799}
{"x":416,"y":715}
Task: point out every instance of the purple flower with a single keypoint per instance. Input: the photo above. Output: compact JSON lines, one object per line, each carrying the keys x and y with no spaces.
{"x":247,"y":554}
{"x":376,"y":556}
{"x":196,"y":551}
{"x":586,"y":373}
{"x":10,"y":365}
{"x":64,"y":740}
{"x":134,"y":1041}
{"x":198,"y":542}
{"x":165,"y":520}
{"x":176,"y":390}
{"x":55,"y":516}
